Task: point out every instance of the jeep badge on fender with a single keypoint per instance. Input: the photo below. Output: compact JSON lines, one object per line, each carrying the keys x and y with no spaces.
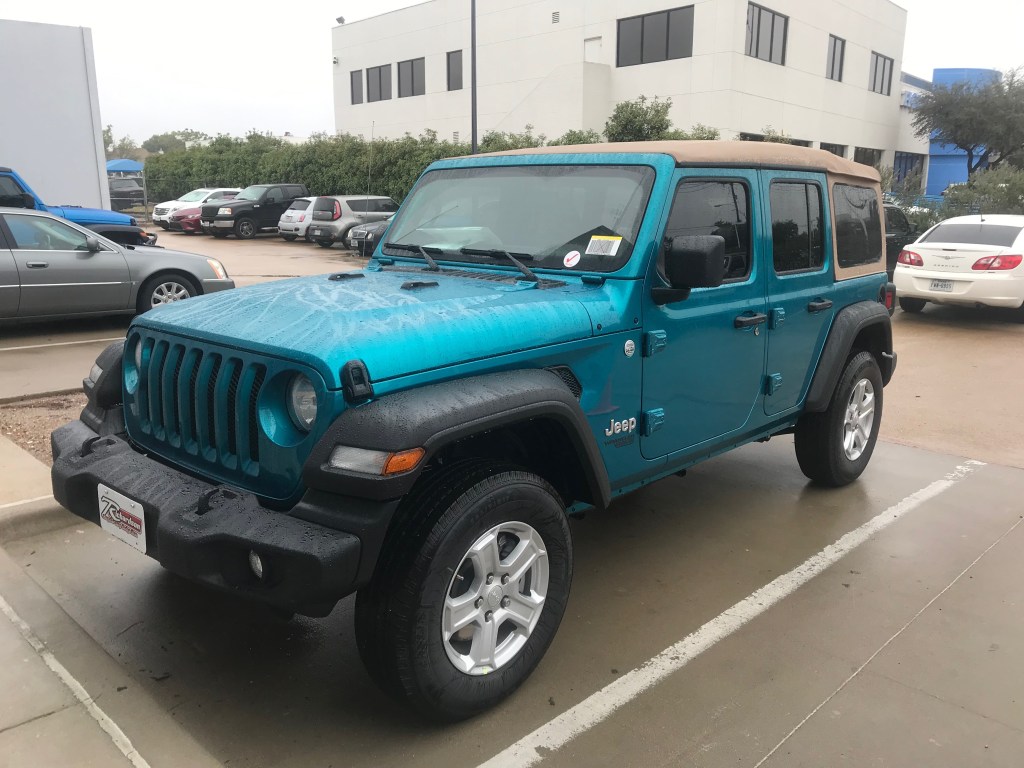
{"x":418,"y":431}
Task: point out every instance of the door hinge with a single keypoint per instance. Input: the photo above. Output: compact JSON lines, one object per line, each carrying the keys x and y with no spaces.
{"x":654,"y":342}
{"x":776,"y":318}
{"x":772,"y":383}
{"x":651,"y":421}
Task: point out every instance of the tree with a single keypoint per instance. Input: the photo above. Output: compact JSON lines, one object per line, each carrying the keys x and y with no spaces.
{"x":699,"y":132}
{"x":776,"y":137}
{"x":996,"y":190}
{"x":126,"y":147}
{"x":588,"y":136}
{"x":108,"y":141}
{"x":984,"y":120}
{"x":163,"y":142}
{"x":642,"y":119}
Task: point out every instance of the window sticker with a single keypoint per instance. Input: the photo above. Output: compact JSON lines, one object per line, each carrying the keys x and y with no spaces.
{"x":603,"y":245}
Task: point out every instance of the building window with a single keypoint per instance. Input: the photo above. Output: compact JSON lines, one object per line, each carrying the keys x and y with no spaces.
{"x":766,"y":34}
{"x":907,"y":164}
{"x":836,"y":54}
{"x":454,"y":70}
{"x":835,"y":149}
{"x":411,"y":81}
{"x":378,"y":83}
{"x":655,"y":37}
{"x":356,"y":78}
{"x":881,"y":74}
{"x":798,"y":239}
{"x":872,"y":157}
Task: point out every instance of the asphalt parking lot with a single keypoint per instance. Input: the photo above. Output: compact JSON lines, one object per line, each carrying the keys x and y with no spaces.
{"x":736,"y":616}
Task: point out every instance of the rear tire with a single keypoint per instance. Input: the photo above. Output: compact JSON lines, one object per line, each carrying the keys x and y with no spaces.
{"x":463,"y":523}
{"x":245,"y":228}
{"x":913,"y":306}
{"x":834,"y":447}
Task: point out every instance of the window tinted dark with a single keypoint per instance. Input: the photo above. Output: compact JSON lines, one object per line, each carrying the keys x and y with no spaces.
{"x":705,"y":207}
{"x":895,"y":222}
{"x":454,"y":70}
{"x":1000,"y":235}
{"x":411,"y":78}
{"x":766,"y":34}
{"x":299,"y":205}
{"x":798,"y":242}
{"x":857,"y":225}
{"x":324,"y":204}
{"x":8,"y":187}
{"x":836,"y":54}
{"x":881,"y":74}
{"x":378,"y":83}
{"x":655,"y":37}
{"x":384,"y":206}
{"x":361,"y":205}
{"x":356,"y":80}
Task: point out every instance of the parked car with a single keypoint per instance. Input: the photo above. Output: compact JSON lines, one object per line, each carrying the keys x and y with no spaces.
{"x":966,"y":260}
{"x":364,"y":238}
{"x":16,"y":193}
{"x":334,"y":216}
{"x":898,"y":232}
{"x":295,"y":221}
{"x":257,"y":207}
{"x":126,"y":193}
{"x":53,"y":268}
{"x":185,"y":220}
{"x":545,"y":334}
{"x":196,"y":198}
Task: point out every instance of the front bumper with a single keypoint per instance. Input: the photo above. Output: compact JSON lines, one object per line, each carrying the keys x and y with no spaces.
{"x":990,"y":289}
{"x":205,"y":532}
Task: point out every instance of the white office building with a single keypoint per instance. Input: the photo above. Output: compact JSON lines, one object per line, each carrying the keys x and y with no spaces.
{"x":824,"y":72}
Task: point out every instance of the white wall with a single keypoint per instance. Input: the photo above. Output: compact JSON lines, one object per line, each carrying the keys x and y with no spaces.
{"x":50,"y":128}
{"x":532,"y":71}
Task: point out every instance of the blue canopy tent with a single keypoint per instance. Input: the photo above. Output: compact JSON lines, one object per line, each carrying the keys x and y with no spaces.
{"x":123,"y":165}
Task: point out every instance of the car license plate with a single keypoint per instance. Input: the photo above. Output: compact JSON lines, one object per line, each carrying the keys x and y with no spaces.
{"x":122,"y":517}
{"x":942,"y":285}
{"x":317,"y":231}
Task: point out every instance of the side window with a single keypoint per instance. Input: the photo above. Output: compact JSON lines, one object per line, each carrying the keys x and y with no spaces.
{"x":895,"y":222}
{"x":10,"y":193}
{"x":798,"y":242}
{"x":34,"y":233}
{"x":274,"y":195}
{"x":712,"y":207}
{"x":386,"y":206}
{"x":361,"y":205}
{"x":857,"y":224}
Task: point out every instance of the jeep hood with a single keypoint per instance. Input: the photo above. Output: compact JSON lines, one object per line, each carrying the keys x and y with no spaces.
{"x":89,"y":216}
{"x":395,"y":330}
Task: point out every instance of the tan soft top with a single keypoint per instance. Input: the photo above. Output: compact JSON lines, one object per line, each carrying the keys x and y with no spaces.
{"x":737,"y":154}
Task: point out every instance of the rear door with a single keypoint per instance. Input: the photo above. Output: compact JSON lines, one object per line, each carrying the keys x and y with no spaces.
{"x":10,"y":287}
{"x":58,"y":273}
{"x":800,"y":301}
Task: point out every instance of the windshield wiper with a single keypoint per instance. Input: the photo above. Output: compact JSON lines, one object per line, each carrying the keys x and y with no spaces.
{"x":421,"y":250}
{"x":497,"y":253}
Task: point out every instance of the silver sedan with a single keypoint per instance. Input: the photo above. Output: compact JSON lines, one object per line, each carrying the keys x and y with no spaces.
{"x":50,"y":267}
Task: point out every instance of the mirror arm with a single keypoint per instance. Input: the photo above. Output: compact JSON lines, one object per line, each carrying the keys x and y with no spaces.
{"x":662,"y":296}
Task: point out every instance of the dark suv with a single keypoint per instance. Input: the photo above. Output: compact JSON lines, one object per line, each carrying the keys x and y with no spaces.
{"x":256,"y":208}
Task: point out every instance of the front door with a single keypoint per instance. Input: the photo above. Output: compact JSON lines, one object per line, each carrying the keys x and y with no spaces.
{"x":10,"y":288}
{"x":800,"y":307}
{"x":273,"y":206}
{"x":58,"y":272}
{"x":704,"y":356}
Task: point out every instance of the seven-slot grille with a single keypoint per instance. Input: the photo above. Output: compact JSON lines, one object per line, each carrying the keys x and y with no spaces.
{"x":201,"y":401}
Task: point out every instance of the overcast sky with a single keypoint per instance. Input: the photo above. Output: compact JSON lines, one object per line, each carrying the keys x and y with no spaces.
{"x":163,"y":66}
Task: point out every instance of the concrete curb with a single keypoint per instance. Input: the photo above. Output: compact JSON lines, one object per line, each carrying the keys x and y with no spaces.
{"x":26,"y":507}
{"x":39,"y":395}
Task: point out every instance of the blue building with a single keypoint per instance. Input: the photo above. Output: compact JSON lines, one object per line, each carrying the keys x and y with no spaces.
{"x":947,"y":164}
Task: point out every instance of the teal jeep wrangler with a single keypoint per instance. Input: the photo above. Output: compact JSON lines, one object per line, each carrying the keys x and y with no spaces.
{"x":539,"y":333}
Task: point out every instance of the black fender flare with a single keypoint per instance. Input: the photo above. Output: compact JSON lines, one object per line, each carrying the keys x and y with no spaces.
{"x":437,"y":415}
{"x":846,"y":327}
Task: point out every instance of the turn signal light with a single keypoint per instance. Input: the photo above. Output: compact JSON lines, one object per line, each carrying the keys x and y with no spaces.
{"x":403,"y":461}
{"x":998,"y":262}
{"x":910,"y":258}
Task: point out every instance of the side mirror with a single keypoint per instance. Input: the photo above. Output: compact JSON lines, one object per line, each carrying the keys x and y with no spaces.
{"x":692,"y":261}
{"x":92,"y":244}
{"x":27,"y":201}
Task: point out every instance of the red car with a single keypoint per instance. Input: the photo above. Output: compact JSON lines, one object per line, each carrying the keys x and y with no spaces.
{"x":187,"y":219}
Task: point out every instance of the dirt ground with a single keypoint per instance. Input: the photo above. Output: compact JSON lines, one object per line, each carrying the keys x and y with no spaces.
{"x":30,"y":422}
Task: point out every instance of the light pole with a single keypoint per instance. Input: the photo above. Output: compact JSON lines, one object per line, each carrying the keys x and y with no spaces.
{"x":472,"y":73}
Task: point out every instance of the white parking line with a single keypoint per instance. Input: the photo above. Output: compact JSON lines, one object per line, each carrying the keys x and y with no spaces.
{"x":602,"y":704}
{"x":117,"y":736}
{"x":60,"y":344}
{"x":25,"y":501}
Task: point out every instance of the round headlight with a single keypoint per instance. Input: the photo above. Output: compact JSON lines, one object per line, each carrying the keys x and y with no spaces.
{"x":302,"y":402}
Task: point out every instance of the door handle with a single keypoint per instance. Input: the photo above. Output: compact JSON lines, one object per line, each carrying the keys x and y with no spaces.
{"x":819,"y":305}
{"x":36,"y":264}
{"x":749,"y":321}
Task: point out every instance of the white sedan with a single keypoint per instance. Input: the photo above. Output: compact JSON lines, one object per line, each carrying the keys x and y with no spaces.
{"x":194,"y":199}
{"x":967,"y":260}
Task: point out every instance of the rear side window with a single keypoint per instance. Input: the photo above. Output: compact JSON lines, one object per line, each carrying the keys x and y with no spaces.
{"x":360,"y":206}
{"x":383,"y":206}
{"x":324,"y":204}
{"x":294,"y":190}
{"x":705,"y":207}
{"x":999,"y":235}
{"x":798,"y":242}
{"x":858,"y":225}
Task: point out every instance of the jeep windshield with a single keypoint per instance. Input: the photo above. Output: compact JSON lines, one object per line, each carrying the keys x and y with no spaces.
{"x":580,"y":217}
{"x":251,"y":193}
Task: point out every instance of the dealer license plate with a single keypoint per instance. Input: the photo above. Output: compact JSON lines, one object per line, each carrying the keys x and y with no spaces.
{"x":317,"y":231}
{"x":122,"y":517}
{"x":942,"y":285}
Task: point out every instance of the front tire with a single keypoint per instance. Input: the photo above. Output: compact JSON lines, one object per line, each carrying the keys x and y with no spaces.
{"x":834,"y":447}
{"x":245,"y":228}
{"x":912,"y":305}
{"x":164,"y":289}
{"x":469,"y":590}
